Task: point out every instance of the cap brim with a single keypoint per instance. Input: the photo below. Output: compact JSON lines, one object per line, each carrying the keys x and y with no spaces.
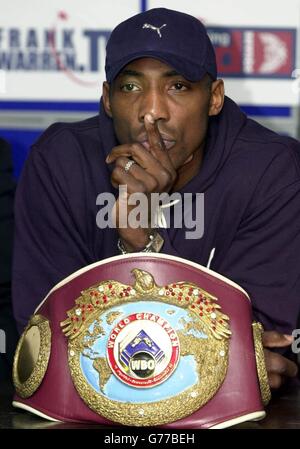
{"x":189,"y":70}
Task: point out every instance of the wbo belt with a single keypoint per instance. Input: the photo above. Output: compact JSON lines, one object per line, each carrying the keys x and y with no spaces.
{"x":143,"y":340}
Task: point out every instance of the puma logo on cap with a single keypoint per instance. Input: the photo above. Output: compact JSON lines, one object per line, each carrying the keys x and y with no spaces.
{"x":152,"y":27}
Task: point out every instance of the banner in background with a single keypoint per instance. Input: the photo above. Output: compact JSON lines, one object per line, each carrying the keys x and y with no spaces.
{"x":257,"y":46}
{"x":55,"y":51}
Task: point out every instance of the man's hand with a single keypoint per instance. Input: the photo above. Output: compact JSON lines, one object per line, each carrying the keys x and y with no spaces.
{"x":152,"y":172}
{"x":278,"y":367}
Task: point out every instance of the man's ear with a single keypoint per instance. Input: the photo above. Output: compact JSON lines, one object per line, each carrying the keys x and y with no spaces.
{"x":106,"y":98}
{"x":216,"y":98}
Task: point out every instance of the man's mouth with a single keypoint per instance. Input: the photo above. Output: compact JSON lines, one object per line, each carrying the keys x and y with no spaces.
{"x":167,"y":143}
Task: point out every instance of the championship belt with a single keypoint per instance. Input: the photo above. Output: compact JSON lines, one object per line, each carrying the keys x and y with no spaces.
{"x":143,"y":340}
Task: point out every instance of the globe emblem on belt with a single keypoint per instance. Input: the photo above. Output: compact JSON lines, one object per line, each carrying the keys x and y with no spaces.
{"x":134,"y":354}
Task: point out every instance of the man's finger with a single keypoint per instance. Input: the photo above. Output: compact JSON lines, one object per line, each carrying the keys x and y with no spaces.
{"x":135,"y":151}
{"x":156,"y":142}
{"x":275,"y":381}
{"x":154,"y":138}
{"x":125,"y":150}
{"x":273,"y":339}
{"x":139,"y":173}
{"x":120,"y":177}
{"x":163,"y":175}
{"x":277,"y":364}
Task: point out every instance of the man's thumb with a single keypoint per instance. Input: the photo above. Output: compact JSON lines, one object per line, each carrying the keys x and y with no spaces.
{"x":273,"y":339}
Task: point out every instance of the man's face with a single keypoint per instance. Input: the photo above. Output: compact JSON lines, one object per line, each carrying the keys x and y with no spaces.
{"x":180,"y":107}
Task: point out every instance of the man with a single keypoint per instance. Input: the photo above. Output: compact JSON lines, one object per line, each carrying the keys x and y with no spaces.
{"x":165,"y":126}
{"x":8,"y":332}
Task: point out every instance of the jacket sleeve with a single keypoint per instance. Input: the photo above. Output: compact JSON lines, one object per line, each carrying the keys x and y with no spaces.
{"x":7,"y":324}
{"x":264,"y":259}
{"x":50,"y":230}
{"x":7,"y":189}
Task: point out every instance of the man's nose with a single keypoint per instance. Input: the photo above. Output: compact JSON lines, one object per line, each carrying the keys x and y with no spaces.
{"x":155,"y":103}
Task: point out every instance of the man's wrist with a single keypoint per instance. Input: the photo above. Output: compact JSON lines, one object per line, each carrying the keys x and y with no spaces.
{"x":154,"y":244}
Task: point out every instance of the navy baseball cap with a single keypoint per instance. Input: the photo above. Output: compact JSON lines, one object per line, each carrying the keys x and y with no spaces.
{"x":176,"y":38}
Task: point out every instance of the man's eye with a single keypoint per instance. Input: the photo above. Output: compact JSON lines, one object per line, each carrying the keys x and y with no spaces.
{"x":178,"y":86}
{"x":129,"y":87}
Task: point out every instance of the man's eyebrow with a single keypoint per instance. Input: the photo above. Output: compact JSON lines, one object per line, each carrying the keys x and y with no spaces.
{"x":129,"y":72}
{"x":171,"y":73}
